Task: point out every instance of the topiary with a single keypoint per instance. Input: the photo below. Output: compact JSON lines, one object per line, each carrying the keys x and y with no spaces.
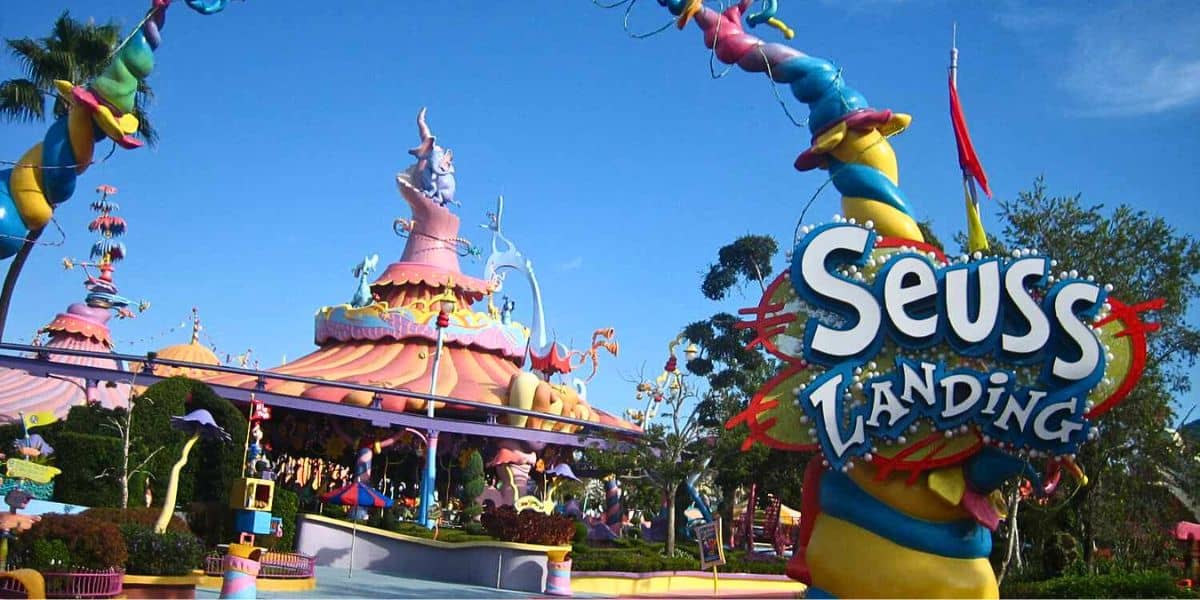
{"x":472,"y":486}
{"x":82,"y":457}
{"x":286,"y":506}
{"x":220,"y":464}
{"x":90,"y":543}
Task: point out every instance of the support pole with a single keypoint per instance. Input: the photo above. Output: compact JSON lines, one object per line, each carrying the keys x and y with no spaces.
{"x":430,"y":478}
{"x":14,"y":273}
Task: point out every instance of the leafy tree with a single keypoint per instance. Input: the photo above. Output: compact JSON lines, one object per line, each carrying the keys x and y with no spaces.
{"x":668,"y":453}
{"x":75,"y":52}
{"x":1143,"y":257}
{"x":734,"y":374}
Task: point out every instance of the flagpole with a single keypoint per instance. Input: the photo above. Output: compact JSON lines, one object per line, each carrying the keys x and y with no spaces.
{"x":977,"y":240}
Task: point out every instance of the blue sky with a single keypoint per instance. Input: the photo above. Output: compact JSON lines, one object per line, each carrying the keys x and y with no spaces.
{"x":624,"y":164}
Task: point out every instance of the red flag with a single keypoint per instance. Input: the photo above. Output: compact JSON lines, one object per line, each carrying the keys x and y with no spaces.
{"x":967,"y":159}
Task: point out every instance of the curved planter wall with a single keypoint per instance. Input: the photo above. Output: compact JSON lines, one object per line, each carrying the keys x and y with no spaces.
{"x":504,"y":565}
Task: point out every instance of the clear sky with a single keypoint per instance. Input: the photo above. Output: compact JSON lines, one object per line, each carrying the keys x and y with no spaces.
{"x":624,"y":164}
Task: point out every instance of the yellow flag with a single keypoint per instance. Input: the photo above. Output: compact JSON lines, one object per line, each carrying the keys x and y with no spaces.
{"x":37,"y":419}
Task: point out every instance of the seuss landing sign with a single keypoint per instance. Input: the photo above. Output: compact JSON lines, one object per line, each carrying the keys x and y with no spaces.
{"x":895,"y":354}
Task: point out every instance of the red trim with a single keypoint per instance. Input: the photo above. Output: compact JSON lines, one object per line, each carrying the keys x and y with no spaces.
{"x":1137,"y":329}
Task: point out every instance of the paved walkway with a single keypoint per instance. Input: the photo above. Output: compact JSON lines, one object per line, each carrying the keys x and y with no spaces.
{"x":333,"y":583}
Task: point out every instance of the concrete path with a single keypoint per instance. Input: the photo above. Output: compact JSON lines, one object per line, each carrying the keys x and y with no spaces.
{"x":333,"y":583}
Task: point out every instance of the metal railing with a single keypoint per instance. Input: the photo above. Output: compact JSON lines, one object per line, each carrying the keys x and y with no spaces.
{"x":273,"y":565}
{"x":150,"y":360}
{"x":80,"y":583}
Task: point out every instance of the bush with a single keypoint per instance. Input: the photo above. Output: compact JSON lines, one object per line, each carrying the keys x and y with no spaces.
{"x":211,"y":521}
{"x":145,"y":517}
{"x":89,"y":543}
{"x":1145,"y":584}
{"x":82,"y":457}
{"x":529,"y":527}
{"x":1061,"y":551}
{"x":640,"y":557}
{"x":170,"y":553}
{"x":581,"y":533}
{"x":47,"y":556}
{"x":472,"y":486}
{"x":286,"y":506}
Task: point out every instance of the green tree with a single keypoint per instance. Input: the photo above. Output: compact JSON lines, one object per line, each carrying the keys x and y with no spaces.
{"x":75,"y":52}
{"x":1143,"y":257}
{"x":734,"y":373}
{"x":668,"y":453}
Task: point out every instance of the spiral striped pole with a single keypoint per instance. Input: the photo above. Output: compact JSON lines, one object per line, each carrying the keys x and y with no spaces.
{"x":849,"y":137}
{"x":614,"y":512}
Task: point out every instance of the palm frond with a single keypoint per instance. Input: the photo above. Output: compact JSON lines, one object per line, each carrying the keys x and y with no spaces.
{"x":21,"y":100}
{"x":31,"y":56}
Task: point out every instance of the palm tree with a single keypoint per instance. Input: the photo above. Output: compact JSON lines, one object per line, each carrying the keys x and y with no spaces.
{"x":76,"y":52}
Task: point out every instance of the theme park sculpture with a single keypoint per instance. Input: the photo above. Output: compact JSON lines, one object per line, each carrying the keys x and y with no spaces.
{"x":45,"y":175}
{"x":924,"y":381}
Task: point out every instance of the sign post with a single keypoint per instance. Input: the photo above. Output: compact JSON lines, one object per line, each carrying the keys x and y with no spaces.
{"x":712,"y":551}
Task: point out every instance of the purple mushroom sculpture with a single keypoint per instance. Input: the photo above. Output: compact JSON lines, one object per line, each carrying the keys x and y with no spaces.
{"x":200,"y":424}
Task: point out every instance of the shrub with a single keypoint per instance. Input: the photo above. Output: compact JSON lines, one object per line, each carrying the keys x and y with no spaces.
{"x":472,"y":486}
{"x":1061,"y":551}
{"x":90,"y":543}
{"x":82,"y":457}
{"x":1144,"y":584}
{"x":529,"y":527}
{"x":211,"y":521}
{"x":170,"y":553}
{"x":286,"y":506}
{"x":47,"y":556}
{"x":145,"y":517}
{"x":581,"y":533}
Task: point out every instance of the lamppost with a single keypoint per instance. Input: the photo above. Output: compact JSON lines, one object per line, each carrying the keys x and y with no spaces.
{"x":446,"y":303}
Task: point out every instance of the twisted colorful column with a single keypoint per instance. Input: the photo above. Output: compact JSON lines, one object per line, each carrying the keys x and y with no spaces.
{"x":614,"y":512}
{"x":850,"y":138}
{"x":240,"y":572}
{"x":46,"y":173}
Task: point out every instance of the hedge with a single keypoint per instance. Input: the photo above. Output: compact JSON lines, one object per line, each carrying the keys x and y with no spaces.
{"x":286,"y":506}
{"x":1145,"y":584}
{"x":640,"y":557}
{"x":137,"y":515}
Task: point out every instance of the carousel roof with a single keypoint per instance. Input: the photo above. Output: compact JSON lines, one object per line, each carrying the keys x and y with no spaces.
{"x":386,"y":336}
{"x":191,"y":352}
{"x":80,"y":327}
